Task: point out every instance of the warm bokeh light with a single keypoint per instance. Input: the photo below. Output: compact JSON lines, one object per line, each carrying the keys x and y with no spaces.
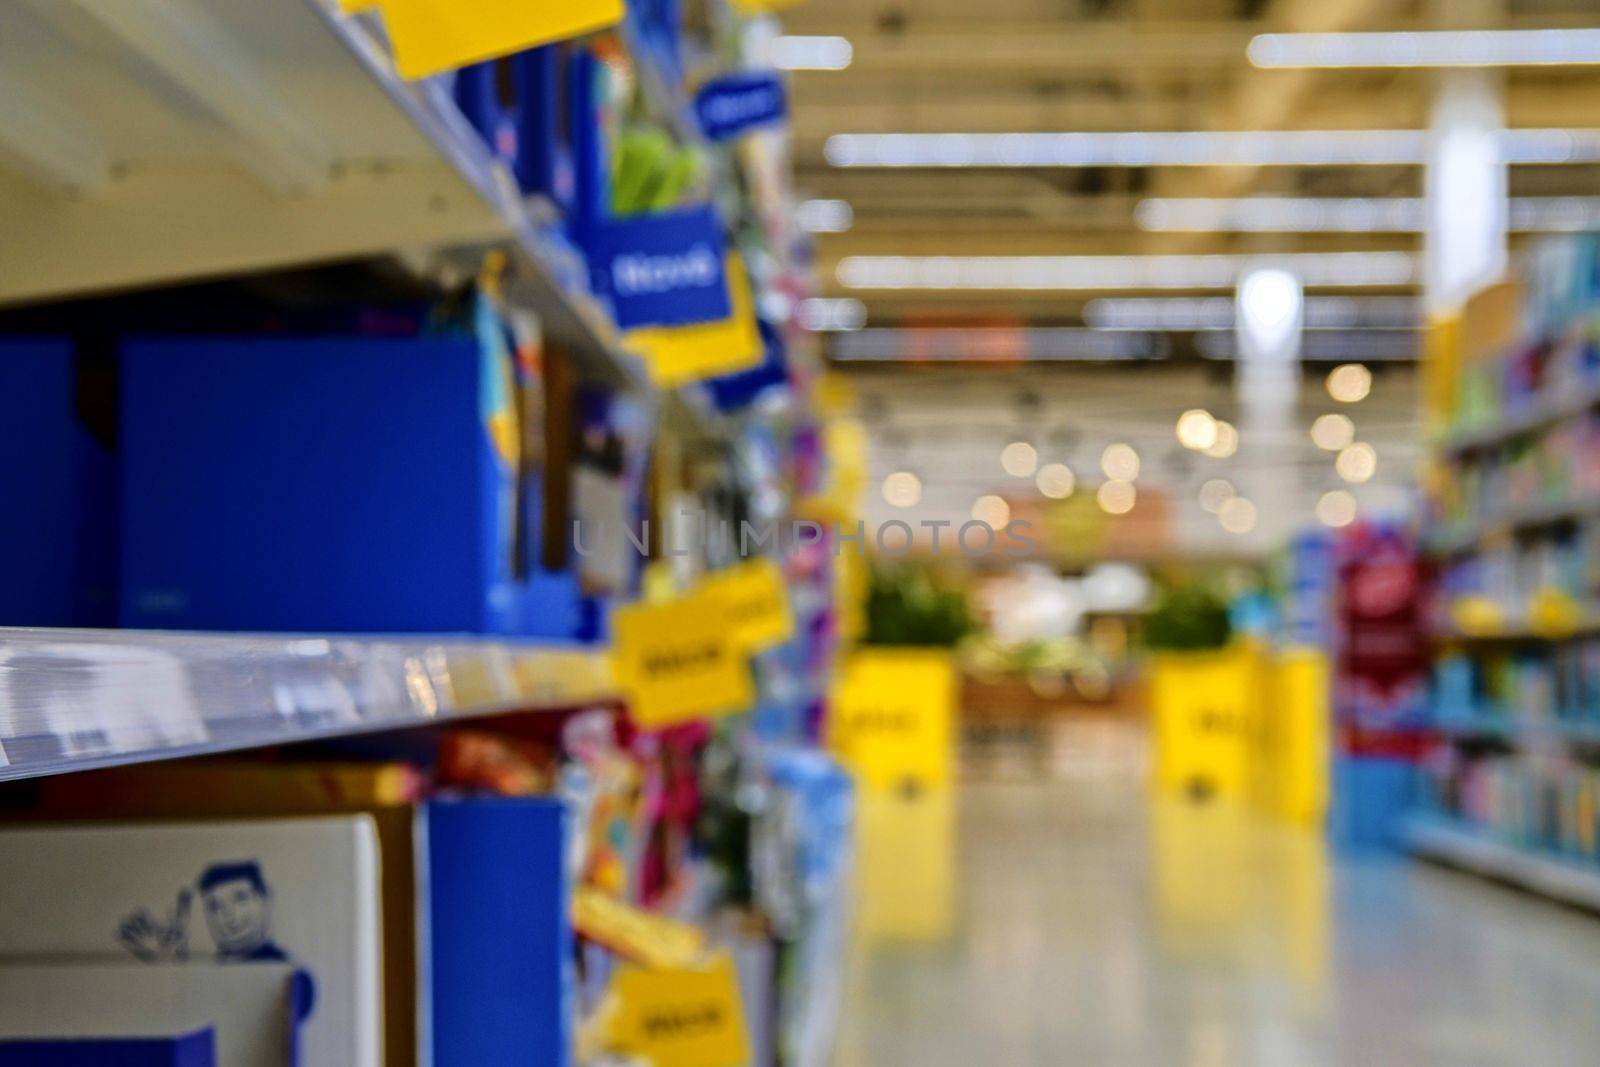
{"x":902,"y":489}
{"x":1117,"y":498}
{"x":1336,"y":509}
{"x":1350,"y":383}
{"x":1019,"y":459}
{"x":1057,"y":481}
{"x":1358,"y":463}
{"x":993,"y":511}
{"x":1120,"y":462}
{"x":1238,"y":516}
{"x":1333,"y":432}
{"x":1197,"y":430}
{"x":1215,"y":493}
{"x":1227,"y":442}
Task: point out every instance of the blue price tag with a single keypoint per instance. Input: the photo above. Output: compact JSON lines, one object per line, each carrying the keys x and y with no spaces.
{"x":662,"y":270}
{"x":730,"y":105}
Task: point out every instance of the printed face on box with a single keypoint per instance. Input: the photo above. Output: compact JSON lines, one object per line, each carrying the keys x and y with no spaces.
{"x":238,"y":910}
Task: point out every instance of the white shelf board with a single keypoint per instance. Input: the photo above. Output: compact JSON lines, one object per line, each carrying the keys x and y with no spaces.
{"x":77,"y":699}
{"x":1553,"y":876}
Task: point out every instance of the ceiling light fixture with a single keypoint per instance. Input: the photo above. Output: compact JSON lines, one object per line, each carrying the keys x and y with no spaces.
{"x":794,"y":52}
{"x":1217,"y":313}
{"x":825,"y":216}
{"x":1437,"y":48}
{"x":1331,"y":269}
{"x":1188,"y":148}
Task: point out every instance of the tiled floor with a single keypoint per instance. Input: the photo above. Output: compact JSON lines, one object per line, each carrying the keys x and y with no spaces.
{"x":1049,"y":923}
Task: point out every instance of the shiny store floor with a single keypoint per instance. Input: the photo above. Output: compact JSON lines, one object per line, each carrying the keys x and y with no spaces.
{"x":1048,"y":922}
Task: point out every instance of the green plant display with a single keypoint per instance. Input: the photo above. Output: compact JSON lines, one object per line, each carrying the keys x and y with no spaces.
{"x":907,"y":607}
{"x":1188,"y":618}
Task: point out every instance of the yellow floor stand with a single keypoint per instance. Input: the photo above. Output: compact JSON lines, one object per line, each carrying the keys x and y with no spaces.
{"x":893,"y":721}
{"x":1204,"y":706}
{"x":1246,"y":724}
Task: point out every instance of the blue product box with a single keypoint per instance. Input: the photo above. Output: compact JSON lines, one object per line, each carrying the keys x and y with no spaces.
{"x":1372,"y":795}
{"x":58,"y":483}
{"x":189,"y":1050}
{"x":500,"y":942}
{"x":332,"y":484}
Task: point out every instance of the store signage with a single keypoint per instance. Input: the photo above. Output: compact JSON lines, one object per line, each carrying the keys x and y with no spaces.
{"x":679,"y":1016}
{"x":677,"y":355}
{"x":677,"y":662}
{"x":736,"y":103}
{"x":667,"y":269}
{"x":894,"y":717}
{"x":755,"y":604}
{"x":433,"y":36}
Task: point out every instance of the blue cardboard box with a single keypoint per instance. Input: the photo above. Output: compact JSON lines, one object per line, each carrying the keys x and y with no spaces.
{"x":500,"y":943}
{"x":58,"y":487}
{"x":327,"y":484}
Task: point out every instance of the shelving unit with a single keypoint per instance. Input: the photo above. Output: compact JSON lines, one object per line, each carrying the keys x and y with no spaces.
{"x":1553,"y":876}
{"x":78,"y":699}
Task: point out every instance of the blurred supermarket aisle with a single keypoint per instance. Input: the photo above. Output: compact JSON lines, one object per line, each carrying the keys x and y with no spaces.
{"x":1072,"y":922}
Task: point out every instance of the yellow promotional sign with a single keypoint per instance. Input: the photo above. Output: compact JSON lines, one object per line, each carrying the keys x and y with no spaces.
{"x":679,"y":1016}
{"x":677,"y":662}
{"x":354,"y":7}
{"x":634,"y":934}
{"x":433,"y":36}
{"x":676,"y":355}
{"x":1205,"y":706}
{"x":893,"y":717}
{"x":755,"y":604}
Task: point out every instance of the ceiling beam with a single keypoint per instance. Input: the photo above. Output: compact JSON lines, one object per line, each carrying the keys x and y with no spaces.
{"x":45,"y":144}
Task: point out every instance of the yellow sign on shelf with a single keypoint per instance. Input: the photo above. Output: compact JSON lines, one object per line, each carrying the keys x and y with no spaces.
{"x":677,"y":662}
{"x":755,"y":604}
{"x":433,"y":36}
{"x":677,"y":355}
{"x":679,"y":1016}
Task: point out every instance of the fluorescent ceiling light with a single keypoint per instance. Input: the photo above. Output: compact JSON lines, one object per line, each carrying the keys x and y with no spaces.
{"x":1217,"y":313}
{"x":1441,"y":48}
{"x":1268,"y":214}
{"x":1341,"y":269}
{"x":811,"y":53}
{"x":822,"y":315}
{"x":1252,"y":148}
{"x":1057,"y":344}
{"x":825,"y":216}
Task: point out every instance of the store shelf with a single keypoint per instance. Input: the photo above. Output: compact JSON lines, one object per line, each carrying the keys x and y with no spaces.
{"x":1543,"y":412}
{"x":1521,"y":730}
{"x":1553,"y":876}
{"x":76,"y":699}
{"x":1521,"y":627}
{"x":1464,"y":536}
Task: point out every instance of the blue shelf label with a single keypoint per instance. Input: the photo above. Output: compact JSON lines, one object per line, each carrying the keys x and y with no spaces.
{"x":730,"y":105}
{"x":664,"y":269}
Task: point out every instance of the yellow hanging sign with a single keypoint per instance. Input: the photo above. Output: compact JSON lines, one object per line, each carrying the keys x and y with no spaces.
{"x":433,"y":36}
{"x":755,"y":604}
{"x":677,"y":662}
{"x":679,"y":1016}
{"x":635,"y":934}
{"x":355,"y":7}
{"x":761,"y":7}
{"x":677,"y":355}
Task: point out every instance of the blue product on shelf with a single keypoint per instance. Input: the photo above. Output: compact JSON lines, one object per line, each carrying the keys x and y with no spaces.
{"x":477,"y":94}
{"x":328,"y":484}
{"x":1370,"y":794}
{"x":188,"y":1050}
{"x":544,"y":165}
{"x":500,"y":941}
{"x":59,"y":486}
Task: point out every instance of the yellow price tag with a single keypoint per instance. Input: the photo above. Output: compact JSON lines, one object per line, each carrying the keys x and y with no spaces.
{"x":755,"y":604}
{"x":635,"y":934}
{"x":677,"y":662}
{"x":433,"y":36}
{"x":680,"y":1016}
{"x":676,"y":355}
